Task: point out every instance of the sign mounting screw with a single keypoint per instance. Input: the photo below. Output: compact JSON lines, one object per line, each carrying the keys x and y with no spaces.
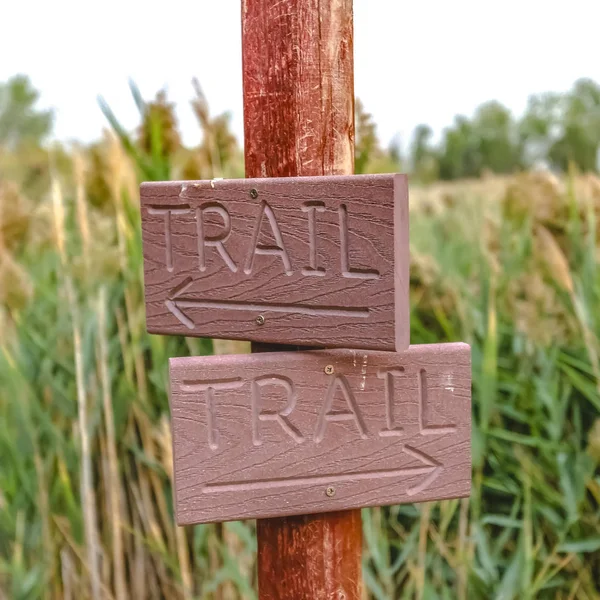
{"x":260,"y":320}
{"x":330,"y":491}
{"x":253,"y":194}
{"x":329,"y":369}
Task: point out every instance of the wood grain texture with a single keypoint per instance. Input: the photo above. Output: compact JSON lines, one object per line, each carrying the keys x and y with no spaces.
{"x":291,"y":433}
{"x":311,"y":556}
{"x":321,"y":261}
{"x":298,"y":74}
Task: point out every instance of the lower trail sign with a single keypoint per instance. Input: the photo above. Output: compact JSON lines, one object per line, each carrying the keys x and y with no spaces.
{"x":285,"y":433}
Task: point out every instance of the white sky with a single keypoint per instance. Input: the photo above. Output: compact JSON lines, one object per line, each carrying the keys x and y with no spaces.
{"x":415,"y":61}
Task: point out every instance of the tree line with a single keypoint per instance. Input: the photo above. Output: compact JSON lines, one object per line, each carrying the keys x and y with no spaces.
{"x":557,"y":130}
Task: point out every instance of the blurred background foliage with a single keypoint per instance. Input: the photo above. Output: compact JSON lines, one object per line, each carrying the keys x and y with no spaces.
{"x":505,"y":258}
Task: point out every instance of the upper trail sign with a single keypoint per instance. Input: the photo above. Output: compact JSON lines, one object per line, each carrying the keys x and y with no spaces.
{"x":310,"y":261}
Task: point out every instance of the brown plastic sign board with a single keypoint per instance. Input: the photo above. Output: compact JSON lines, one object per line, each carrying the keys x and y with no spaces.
{"x":309,"y":261}
{"x":275,"y":434}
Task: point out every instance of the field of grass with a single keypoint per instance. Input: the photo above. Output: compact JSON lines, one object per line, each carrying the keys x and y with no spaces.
{"x":508,"y":265}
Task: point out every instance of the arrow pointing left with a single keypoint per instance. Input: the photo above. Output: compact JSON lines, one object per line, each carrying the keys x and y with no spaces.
{"x":175,"y":303}
{"x":172,"y":305}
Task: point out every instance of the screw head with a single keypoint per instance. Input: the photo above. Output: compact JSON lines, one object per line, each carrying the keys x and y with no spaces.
{"x":330,"y":491}
{"x":329,"y":369}
{"x":260,"y":320}
{"x":253,"y":193}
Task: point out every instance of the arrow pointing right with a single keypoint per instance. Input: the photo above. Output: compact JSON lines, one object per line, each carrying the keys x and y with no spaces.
{"x":431,"y":467}
{"x":435,"y":469}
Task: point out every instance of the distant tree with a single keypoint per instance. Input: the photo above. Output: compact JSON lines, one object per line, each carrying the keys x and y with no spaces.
{"x":563,"y":128}
{"x":579,"y":141}
{"x":488,"y":141}
{"x":366,"y":146}
{"x":498,"y":138}
{"x":420,"y":147}
{"x":24,"y":129}
{"x":395,"y":152}
{"x":423,"y":155}
{"x":540,"y":127}
{"x":459,"y":154}
{"x":21,"y":122}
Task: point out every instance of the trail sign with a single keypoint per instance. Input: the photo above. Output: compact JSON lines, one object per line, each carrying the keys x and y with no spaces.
{"x":317,"y":260}
{"x":312,"y":261}
{"x":286,"y":433}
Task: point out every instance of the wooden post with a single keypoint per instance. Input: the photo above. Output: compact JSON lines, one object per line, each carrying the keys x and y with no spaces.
{"x":299,"y":121}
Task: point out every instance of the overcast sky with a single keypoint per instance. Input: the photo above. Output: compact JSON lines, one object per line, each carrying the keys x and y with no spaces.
{"x":415,"y":61}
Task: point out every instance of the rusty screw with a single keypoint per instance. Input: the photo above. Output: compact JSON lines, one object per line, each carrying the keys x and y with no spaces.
{"x":253,"y":194}
{"x":330,"y":492}
{"x":329,"y":369}
{"x":260,"y":320}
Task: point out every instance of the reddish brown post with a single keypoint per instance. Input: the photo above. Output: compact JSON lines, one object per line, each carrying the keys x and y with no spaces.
{"x":299,"y":121}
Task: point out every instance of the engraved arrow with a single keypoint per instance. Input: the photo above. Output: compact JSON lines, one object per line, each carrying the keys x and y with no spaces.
{"x":431,"y":467}
{"x":175,"y":302}
{"x":435,"y":469}
{"x":172,"y":304}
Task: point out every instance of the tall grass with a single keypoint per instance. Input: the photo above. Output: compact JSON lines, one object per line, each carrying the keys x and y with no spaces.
{"x":85,"y":448}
